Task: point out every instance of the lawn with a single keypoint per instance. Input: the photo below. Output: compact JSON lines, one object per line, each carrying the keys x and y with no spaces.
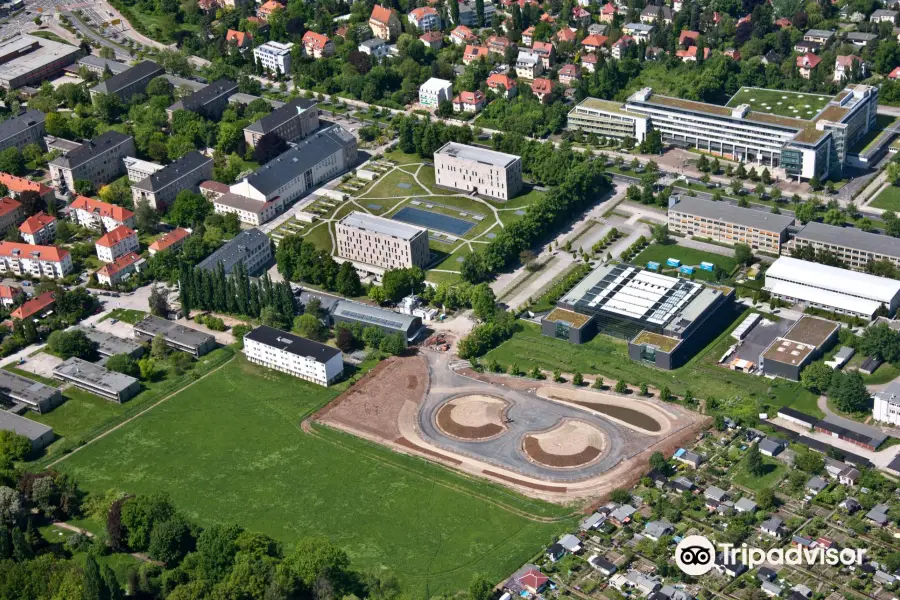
{"x":688,"y":256}
{"x":889,"y":199}
{"x":127,"y":315}
{"x":773,"y":471}
{"x":49,"y":35}
{"x":231,"y":449}
{"x":402,"y":158}
{"x":527,"y":198}
{"x":320,"y":235}
{"x":389,"y":186}
{"x":778,"y":102}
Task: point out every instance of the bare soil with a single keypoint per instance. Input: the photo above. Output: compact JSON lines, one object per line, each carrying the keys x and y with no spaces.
{"x":536,"y":453}
{"x":448,"y":425}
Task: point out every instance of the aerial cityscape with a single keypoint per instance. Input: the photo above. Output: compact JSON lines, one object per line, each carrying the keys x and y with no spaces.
{"x":450,"y":300}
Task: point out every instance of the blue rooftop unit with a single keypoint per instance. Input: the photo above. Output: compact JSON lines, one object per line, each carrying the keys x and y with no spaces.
{"x":673,"y":262}
{"x":707,"y":266}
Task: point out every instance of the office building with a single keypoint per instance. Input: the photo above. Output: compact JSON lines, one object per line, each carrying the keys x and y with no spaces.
{"x":384,"y":243}
{"x":138,"y":169}
{"x":434,"y":91}
{"x":178,"y":337}
{"x":274,"y":57}
{"x":172,"y":240}
{"x":887,"y":405}
{"x":26,"y":260}
{"x":161,"y":188}
{"x":39,"y":229}
{"x":36,"y":397}
{"x":209,"y":102}
{"x":11,"y":212}
{"x":853,"y":247}
{"x":97,"y":161}
{"x":27,"y":60}
{"x":116,"y":243}
{"x":110,"y":345}
{"x":294,"y":355}
{"x":607,"y":119}
{"x":831,"y":288}
{"x":666,"y":319}
{"x":729,"y":224}
{"x":250,"y":247}
{"x":22,"y":129}
{"x":128,"y":83}
{"x":804,"y":342}
{"x":98,"y":380}
{"x":38,"y":434}
{"x":346,"y":311}
{"x":293,"y":121}
{"x":485,"y":172}
{"x":93,"y":214}
{"x":120,"y":269}
{"x":314,"y":160}
{"x":250,"y":211}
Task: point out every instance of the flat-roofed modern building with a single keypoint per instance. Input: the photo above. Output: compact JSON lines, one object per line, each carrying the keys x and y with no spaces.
{"x":110,"y":345}
{"x":138,"y":169}
{"x":274,"y":56}
{"x":161,"y":188}
{"x":434,"y":91}
{"x":128,"y":83}
{"x":854,"y":247}
{"x":803,"y":343}
{"x":607,"y":119}
{"x":887,"y":404}
{"x":98,"y":380}
{"x":35,"y":396}
{"x":384,"y":243}
{"x":724,"y":222}
{"x":478,"y":170}
{"x":294,"y":355}
{"x":38,"y":434}
{"x":388,"y":321}
{"x":98,"y":161}
{"x":178,"y":337}
{"x":293,"y":121}
{"x":250,"y":247}
{"x":209,"y":101}
{"x":22,"y":129}
{"x":28,"y":60}
{"x":831,"y":288}
{"x":666,"y":319}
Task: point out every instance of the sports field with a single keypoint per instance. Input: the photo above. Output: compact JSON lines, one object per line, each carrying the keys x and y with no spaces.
{"x":230,"y":449}
{"x":780,"y":102}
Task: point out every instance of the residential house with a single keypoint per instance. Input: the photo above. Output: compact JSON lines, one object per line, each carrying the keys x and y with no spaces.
{"x":884,"y":16}
{"x":116,"y":243}
{"x":581,"y":16}
{"x":879,"y":515}
{"x":688,"y":38}
{"x":528,"y":65}
{"x":732,"y":54}
{"x":169,"y":241}
{"x":849,"y":476}
{"x":542,"y":88}
{"x":434,"y":91}
{"x":498,"y":44}
{"x":35,"y":307}
{"x":608,"y":12}
{"x":745,"y":505}
{"x":10,"y":294}
{"x":594,"y":43}
{"x":569,"y":74}
{"x":822,"y":36}
{"x":653,"y":12}
{"x":119,"y":270}
{"x":384,"y":23}
{"x":27,"y":260}
{"x":462,"y":35}
{"x":657,"y":529}
{"x":804,"y":47}
{"x":11,"y":213}
{"x":621,"y":516}
{"x":502,"y":85}
{"x":474,"y":53}
{"x":425,"y":18}
{"x":844,"y":67}
{"x":240,"y":39}
{"x":715,"y":493}
{"x":39,"y":229}
{"x":565,"y":34}
{"x":815,"y":485}
{"x":639,"y":31}
{"x":528,"y":36}
{"x":375,"y":47}
{"x":433,"y":39}
{"x":97,"y":161}
{"x":727,"y":567}
{"x":597,"y":29}
{"x":544,"y":51}
{"x":690,"y":55}
{"x":469,"y":102}
{"x":850,"y":504}
{"x":602,"y":565}
{"x":771,"y":446}
{"x":266,"y":9}
{"x":17,"y":185}
{"x":689,"y":458}
{"x":806,"y":63}
{"x":773,"y":526}
{"x":589,"y":62}
{"x":571,"y":543}
{"x":128,"y":83}
{"x":621,"y":45}
{"x":860,"y":39}
{"x":317,"y":45}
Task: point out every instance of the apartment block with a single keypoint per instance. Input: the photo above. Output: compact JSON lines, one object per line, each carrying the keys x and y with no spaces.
{"x":484,"y":172}
{"x":138,"y":169}
{"x":250,"y":247}
{"x":854,"y":247}
{"x":161,"y":188}
{"x":250,"y":211}
{"x":27,"y":260}
{"x":434,"y":91}
{"x":98,"y":161}
{"x":172,"y":240}
{"x":381,"y":242}
{"x":178,"y":337}
{"x":119,"y":270}
{"x":116,"y":243}
{"x":21,"y":130}
{"x":729,"y":224}
{"x":294,"y":355}
{"x":295,"y":120}
{"x":274,"y":56}
{"x":93,"y":214}
{"x":128,"y":83}
{"x":384,"y":22}
{"x":38,"y":229}
{"x":209,"y":101}
{"x":11,"y":213}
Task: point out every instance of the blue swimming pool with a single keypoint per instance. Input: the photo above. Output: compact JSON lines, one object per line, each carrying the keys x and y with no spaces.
{"x":432,"y":220}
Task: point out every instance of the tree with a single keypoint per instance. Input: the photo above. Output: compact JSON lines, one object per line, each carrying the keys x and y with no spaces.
{"x":343,"y":339}
{"x":652,"y":143}
{"x":620,"y":496}
{"x":347,"y":282}
{"x":309,"y":326}
{"x":658,"y":462}
{"x":765,"y":498}
{"x":140,"y":515}
{"x":661,"y":234}
{"x":743,"y":254}
{"x":12,"y":161}
{"x":313,"y":558}
{"x":217,"y":546}
{"x":810,"y":462}
{"x":170,"y":541}
{"x":880,"y":341}
{"x":393,"y":344}
{"x":483,"y":300}
{"x":481,"y":588}
{"x":753,"y":461}
{"x":190,"y":209}
{"x":123,"y":363}
{"x":158,"y":347}
{"x":159,"y":301}
{"x":851,"y":395}
{"x":145,"y":216}
{"x":94,"y":586}
{"x":67,"y":344}
{"x":268,"y":147}
{"x":13,"y":446}
{"x":816,"y":377}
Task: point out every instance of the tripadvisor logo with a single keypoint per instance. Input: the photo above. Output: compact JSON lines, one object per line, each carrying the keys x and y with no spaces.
{"x":695,"y":555}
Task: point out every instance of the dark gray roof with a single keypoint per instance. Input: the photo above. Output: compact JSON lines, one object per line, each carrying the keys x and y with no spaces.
{"x":170,"y":173}
{"x":861,"y":36}
{"x":294,"y":344}
{"x":109,"y":344}
{"x":850,"y":237}
{"x":144,"y":69}
{"x":22,"y":389}
{"x":101,"y":377}
{"x":187,"y":336}
{"x":302,"y":156}
{"x":280,"y":115}
{"x":30,"y":429}
{"x":20,"y":123}
{"x":729,"y":213}
{"x":90,"y":149}
{"x":198,"y":100}
{"x":235,"y":250}
{"x":115,"y":66}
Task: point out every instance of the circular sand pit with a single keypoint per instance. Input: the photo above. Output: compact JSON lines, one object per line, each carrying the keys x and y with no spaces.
{"x":569,"y":444}
{"x":474,"y":417}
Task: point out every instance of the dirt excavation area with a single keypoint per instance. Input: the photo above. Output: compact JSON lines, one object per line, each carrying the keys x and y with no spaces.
{"x":474,"y":417}
{"x":570,"y":444}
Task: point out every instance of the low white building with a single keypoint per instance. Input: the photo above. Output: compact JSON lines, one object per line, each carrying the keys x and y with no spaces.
{"x":434,"y":91}
{"x":118,"y":242}
{"x":294,"y":355}
{"x":887,"y":405}
{"x":274,"y":56}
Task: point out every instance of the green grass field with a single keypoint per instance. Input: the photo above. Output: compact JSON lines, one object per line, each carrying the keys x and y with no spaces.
{"x":687,"y":256}
{"x":779,"y":102}
{"x":889,"y":199}
{"x":388,"y":186}
{"x":772,"y":473}
{"x":128,"y":315}
{"x":230,"y":449}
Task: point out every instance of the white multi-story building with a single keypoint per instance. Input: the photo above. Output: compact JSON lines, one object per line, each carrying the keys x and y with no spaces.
{"x":38,"y":229}
{"x":887,"y":405}
{"x":138,"y":169}
{"x":425,"y":18}
{"x":434,"y":91}
{"x":120,"y":269}
{"x":116,"y":243}
{"x":91,"y":213}
{"x":484,"y":172}
{"x":294,"y":355}
{"x":27,"y":260}
{"x":384,"y":243}
{"x":528,"y":65}
{"x":274,"y":56}
{"x":607,"y":118}
{"x":250,"y":211}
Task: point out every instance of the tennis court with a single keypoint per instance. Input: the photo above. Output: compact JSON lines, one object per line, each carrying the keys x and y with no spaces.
{"x":432,"y":220}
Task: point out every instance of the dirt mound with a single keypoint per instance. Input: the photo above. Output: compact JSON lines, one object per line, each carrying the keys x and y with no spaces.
{"x":537,"y":454}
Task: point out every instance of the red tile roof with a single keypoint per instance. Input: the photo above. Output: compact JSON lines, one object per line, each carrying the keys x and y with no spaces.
{"x":475,"y":97}
{"x":241,"y":38}
{"x":595,"y":40}
{"x":542,"y":47}
{"x":688,"y":35}
{"x":565,"y":35}
{"x":169,"y":239}
{"x":808,"y":60}
{"x":847,"y":61}
{"x":34,"y":306}
{"x":895,"y":74}
{"x":120,"y":263}
{"x":315,"y":40}
{"x":268,"y":8}
{"x":784,"y":22}
{"x":692,"y":53}
{"x":8,"y":205}
{"x":474,"y":52}
{"x":431,"y":37}
{"x":35,"y":223}
{"x":497,"y":80}
{"x":381,"y":14}
{"x":115,"y":236}
{"x":18,"y":250}
{"x":533,"y":579}
{"x":463,"y":32}
{"x":541,"y":86}
{"x":423,"y":11}
{"x":609,"y":9}
{"x":10,"y":291}
{"x":20,"y":184}
{"x":569,"y":70}
{"x":103,"y":209}
{"x":215,"y":186}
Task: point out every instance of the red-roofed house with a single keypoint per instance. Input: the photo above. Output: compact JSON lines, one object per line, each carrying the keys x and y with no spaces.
{"x":17,"y":185}
{"x":542,"y":88}
{"x":39,"y":229}
{"x":732,"y":54}
{"x":895,"y":74}
{"x":317,"y":45}
{"x":744,"y":19}
{"x":589,"y":62}
{"x":116,"y":243}
{"x":265,"y":11}
{"x":688,"y":38}
{"x":470,"y":102}
{"x":384,"y":23}
{"x":462,"y":35}
{"x":502,"y":85}
{"x":240,"y":39}
{"x":545,"y":51}
{"x":783,"y":22}
{"x":473,"y":53}
{"x":623,"y":43}
{"x":120,"y":269}
{"x":594,"y":42}
{"x":533,"y":581}
{"x":34,"y":261}
{"x":9,"y":294}
{"x":843,"y":67}
{"x":89,"y":213}
{"x":581,"y":16}
{"x":35,"y":306}
{"x":433,"y":39}
{"x":11,"y":212}
{"x":169,"y":241}
{"x":690,"y":55}
{"x":565,"y":35}
{"x":528,"y":36}
{"x":498,"y":44}
{"x":806,"y":63}
{"x":213,"y":189}
{"x":341,"y":31}
{"x":569,"y":74}
{"x":425,"y":18}
{"x":608,"y":12}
